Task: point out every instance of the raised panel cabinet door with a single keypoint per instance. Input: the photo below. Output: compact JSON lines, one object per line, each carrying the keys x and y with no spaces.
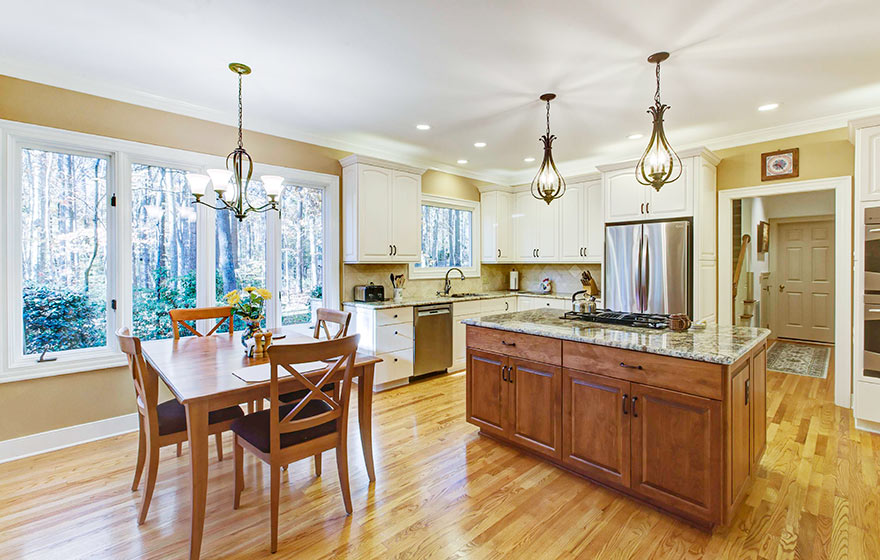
{"x":504,"y":238}
{"x":676,"y":451}
{"x":547,"y":234}
{"x":524,"y":226}
{"x":739,"y":421}
{"x":487,"y":392}
{"x":535,"y":408}
{"x":868,"y":172}
{"x":595,"y":227}
{"x":406,"y":217}
{"x":624,"y":197}
{"x":759,"y":404}
{"x":489,"y":226}
{"x":374,"y":213}
{"x":673,"y":200}
{"x":572,"y":221}
{"x":596,"y":426}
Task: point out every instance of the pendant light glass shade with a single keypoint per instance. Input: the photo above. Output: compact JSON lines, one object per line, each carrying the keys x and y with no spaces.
{"x":659,"y":163}
{"x":548,"y":183}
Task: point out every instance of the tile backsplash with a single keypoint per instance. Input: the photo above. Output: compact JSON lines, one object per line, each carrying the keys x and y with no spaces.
{"x":565,"y":277}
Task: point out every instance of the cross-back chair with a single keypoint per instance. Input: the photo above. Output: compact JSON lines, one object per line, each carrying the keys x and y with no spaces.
{"x":318,"y":422}
{"x":326,"y":316}
{"x":160,"y":424}
{"x":179,"y":317}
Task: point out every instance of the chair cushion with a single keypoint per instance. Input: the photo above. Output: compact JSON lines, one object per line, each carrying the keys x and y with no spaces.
{"x":296,"y":396}
{"x":254,"y":428}
{"x":172,"y":416}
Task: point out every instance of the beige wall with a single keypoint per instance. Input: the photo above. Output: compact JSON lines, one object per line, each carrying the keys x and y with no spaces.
{"x":822,"y":154}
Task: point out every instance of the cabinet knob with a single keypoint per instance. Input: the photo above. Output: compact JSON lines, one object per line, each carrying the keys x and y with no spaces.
{"x":395,"y":332}
{"x":395,"y":359}
{"x":395,"y":316}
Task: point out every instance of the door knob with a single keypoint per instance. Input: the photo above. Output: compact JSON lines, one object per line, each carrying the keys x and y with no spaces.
{"x":781,"y":287}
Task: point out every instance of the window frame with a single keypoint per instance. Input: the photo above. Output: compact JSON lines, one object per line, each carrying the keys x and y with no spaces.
{"x":473,"y":271}
{"x":121,"y":154}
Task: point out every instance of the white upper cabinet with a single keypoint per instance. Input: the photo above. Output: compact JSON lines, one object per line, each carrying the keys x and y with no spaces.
{"x":867,"y":168}
{"x":536,"y":228}
{"x":496,"y":208}
{"x":381,"y":211}
{"x":595,"y":214}
{"x":627,"y":200}
{"x":581,"y":222}
{"x":673,"y":200}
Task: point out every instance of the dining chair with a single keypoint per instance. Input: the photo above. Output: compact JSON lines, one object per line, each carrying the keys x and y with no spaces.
{"x":179,"y":317}
{"x":286,"y":433}
{"x":160,"y":424}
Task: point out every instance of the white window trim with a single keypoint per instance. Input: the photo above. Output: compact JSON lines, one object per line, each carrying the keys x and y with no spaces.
{"x":473,"y":206}
{"x":122,"y":153}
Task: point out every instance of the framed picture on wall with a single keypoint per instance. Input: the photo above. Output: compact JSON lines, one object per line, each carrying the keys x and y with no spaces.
{"x":782,"y":164}
{"x":763,"y":237}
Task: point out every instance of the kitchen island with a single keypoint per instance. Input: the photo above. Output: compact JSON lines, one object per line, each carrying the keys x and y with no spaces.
{"x":674,"y":419}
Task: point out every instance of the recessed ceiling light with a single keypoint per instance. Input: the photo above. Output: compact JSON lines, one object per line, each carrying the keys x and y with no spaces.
{"x":423,"y":126}
{"x":479,"y":144}
{"x":462,"y":161}
{"x":635,"y":136}
{"x":768,"y":107}
{"x":529,"y":159}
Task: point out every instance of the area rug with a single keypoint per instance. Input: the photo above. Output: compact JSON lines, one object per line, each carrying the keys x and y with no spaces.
{"x":799,"y":359}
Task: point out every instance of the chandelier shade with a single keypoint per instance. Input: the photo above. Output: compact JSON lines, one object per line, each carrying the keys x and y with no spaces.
{"x":659,"y":163}
{"x":548,"y":184}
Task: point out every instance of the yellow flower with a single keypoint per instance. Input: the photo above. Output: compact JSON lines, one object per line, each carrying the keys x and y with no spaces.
{"x":232,"y":297}
{"x":249,"y":289}
{"x":263,"y":293}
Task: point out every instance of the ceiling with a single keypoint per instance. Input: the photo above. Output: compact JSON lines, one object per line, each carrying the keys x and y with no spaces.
{"x":359,"y":75}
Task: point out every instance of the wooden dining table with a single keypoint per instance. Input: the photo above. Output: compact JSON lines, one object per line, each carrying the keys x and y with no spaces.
{"x":198,"y":370}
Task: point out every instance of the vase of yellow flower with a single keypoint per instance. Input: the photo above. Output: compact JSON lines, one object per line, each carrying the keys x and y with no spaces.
{"x":248,"y":304}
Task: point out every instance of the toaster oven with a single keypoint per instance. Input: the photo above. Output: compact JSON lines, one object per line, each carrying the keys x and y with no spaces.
{"x":369,"y":292}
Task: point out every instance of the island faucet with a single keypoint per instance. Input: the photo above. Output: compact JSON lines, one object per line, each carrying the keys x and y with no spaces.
{"x":447,"y":285}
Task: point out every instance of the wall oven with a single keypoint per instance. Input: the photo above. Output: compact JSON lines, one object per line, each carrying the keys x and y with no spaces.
{"x":872,"y":293}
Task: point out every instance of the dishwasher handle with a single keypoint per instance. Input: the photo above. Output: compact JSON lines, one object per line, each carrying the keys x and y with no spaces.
{"x":430,"y":312}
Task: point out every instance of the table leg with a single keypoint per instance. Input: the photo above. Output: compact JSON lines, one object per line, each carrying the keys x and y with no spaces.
{"x":365,"y":418}
{"x":197,"y":427}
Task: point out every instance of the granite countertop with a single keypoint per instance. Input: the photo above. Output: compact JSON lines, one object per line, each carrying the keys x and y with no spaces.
{"x":429,"y":300}
{"x":715,"y":344}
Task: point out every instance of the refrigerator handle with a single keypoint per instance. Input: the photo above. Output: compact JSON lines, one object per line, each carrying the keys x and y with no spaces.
{"x":639,"y":268}
{"x":647,"y":276}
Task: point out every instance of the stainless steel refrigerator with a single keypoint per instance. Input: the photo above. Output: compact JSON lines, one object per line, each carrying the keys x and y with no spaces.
{"x":648,"y":267}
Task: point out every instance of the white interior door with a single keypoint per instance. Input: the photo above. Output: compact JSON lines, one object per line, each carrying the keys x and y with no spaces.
{"x":806,"y":280}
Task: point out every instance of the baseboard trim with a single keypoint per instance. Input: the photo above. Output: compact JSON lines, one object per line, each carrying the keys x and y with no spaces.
{"x":868,"y":426}
{"x":36,"y":444}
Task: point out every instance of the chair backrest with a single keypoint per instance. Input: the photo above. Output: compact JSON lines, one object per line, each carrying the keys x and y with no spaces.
{"x":339,"y":318}
{"x":180,"y":316}
{"x":146,"y":381}
{"x":339,"y":354}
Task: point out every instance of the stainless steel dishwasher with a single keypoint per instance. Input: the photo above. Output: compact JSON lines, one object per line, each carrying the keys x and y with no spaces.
{"x":433,"y":339}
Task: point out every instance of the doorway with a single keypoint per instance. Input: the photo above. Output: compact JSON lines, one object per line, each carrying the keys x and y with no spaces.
{"x":804,"y":268}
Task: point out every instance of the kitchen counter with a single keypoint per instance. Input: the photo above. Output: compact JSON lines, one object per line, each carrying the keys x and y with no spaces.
{"x":429,"y":300}
{"x":714,"y":344}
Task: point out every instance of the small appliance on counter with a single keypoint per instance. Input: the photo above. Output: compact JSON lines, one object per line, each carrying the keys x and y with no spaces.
{"x":369,"y":293}
{"x":514,"y":280}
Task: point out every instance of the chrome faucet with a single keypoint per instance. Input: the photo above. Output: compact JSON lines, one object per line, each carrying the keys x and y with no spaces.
{"x":447,"y":285}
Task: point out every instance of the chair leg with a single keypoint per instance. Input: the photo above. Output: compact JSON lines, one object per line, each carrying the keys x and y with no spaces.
{"x":318,"y":464}
{"x":276,"y":491}
{"x":218,"y":437}
{"x":152,"y":470}
{"x":142,"y":454}
{"x":179,"y":448}
{"x":238,"y":458}
{"x":342,"y":467}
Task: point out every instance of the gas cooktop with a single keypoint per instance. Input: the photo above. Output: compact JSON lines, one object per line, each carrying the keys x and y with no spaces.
{"x":644,"y":320}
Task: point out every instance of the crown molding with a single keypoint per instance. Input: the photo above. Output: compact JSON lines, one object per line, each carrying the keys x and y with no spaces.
{"x":865,"y":122}
{"x":376,"y":162}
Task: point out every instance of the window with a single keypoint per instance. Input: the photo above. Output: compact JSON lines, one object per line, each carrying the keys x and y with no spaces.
{"x":105,"y":233}
{"x":450,"y":237}
{"x":63,"y":250}
{"x":163,"y":248}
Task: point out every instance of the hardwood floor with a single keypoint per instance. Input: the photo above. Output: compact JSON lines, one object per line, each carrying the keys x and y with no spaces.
{"x":442,"y":492}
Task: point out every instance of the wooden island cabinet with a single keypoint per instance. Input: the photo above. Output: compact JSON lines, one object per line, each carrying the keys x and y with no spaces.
{"x":680,"y":434}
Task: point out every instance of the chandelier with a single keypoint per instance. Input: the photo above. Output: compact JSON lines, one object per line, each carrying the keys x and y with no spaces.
{"x":239,"y":167}
{"x":548,"y":184}
{"x":659,"y":164}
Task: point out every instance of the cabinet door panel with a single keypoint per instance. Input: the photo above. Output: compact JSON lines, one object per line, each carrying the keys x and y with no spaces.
{"x":374,"y":213}
{"x":759,"y":404}
{"x":489,"y":228}
{"x":740,"y":433}
{"x":487,"y":392}
{"x":524,"y":226}
{"x":535,"y":407}
{"x":571,"y":224}
{"x":596,"y":426}
{"x":406,"y":214}
{"x":676,"y":451}
{"x":595,"y":227}
{"x":674,"y":199}
{"x":624,"y":196}
{"x":504,"y":238}
{"x":547,"y":234}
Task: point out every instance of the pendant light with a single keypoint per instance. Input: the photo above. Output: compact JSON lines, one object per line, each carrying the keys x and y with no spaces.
{"x":239,"y":168}
{"x":659,"y":164}
{"x":548,"y":184}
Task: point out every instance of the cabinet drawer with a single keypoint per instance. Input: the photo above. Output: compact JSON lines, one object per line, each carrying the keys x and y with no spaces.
{"x":526,"y":346}
{"x":462,"y":308}
{"x":687,"y":376}
{"x":543,"y":303}
{"x":499,"y":305}
{"x":393,"y":367}
{"x":393,"y":338}
{"x":394,"y":315}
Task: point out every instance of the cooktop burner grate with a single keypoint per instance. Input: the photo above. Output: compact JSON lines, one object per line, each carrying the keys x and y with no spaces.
{"x":644,"y":320}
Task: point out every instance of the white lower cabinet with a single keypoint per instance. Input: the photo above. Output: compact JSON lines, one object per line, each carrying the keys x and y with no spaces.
{"x":395,"y":366}
{"x":528,"y":303}
{"x":387,"y":333}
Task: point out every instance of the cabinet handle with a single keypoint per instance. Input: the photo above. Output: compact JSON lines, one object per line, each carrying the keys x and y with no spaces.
{"x":642,"y":208}
{"x":624,"y":365}
{"x":395,"y":250}
{"x":390,"y":250}
{"x":647,"y":208}
{"x":625,"y":398}
{"x":499,"y":253}
{"x":507,"y":306}
{"x":635,"y":414}
{"x":748,"y":390}
{"x":504,"y":373}
{"x":510,"y":374}
{"x":508,"y":343}
{"x":538,"y":253}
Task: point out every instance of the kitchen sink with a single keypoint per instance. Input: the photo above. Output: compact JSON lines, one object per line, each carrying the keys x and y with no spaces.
{"x":465,"y":294}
